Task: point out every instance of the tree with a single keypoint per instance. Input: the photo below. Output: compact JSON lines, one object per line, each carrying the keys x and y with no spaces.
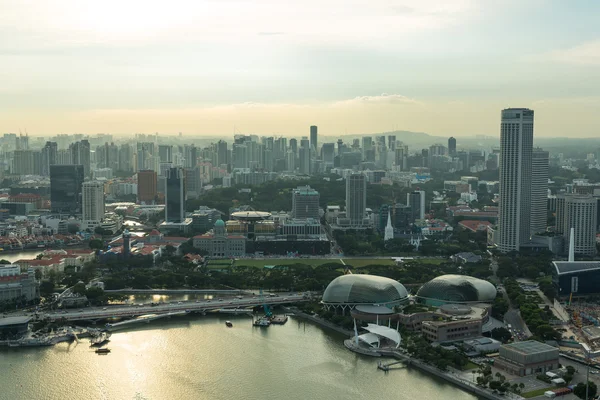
{"x":46,"y":288}
{"x":501,"y":334}
{"x":580,"y":390}
{"x":96,"y":244}
{"x":4,"y":262}
{"x":38,"y":274}
{"x":571,"y":370}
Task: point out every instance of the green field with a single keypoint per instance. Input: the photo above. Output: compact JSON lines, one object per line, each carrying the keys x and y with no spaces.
{"x":536,"y":393}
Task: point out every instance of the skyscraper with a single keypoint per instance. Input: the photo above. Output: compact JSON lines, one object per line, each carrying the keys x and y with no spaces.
{"x":313,"y":137}
{"x":23,"y":162}
{"x":579,"y":212}
{"x":175,"y":195}
{"x":416,"y":201}
{"x":539,"y":190}
{"x":65,"y":188}
{"x":93,"y":204}
{"x":305,"y":203}
{"x":356,"y":198}
{"x":516,"y":145}
{"x":147,"y":189}
{"x":49,"y":157}
{"x":452,"y":147}
{"x":304,"y":156}
{"x":80,"y":155}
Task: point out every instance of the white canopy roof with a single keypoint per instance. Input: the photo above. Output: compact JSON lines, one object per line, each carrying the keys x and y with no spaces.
{"x":370,"y":339}
{"x":385,"y":332}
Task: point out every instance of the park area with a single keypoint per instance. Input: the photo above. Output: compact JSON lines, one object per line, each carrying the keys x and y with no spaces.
{"x":316,"y":262}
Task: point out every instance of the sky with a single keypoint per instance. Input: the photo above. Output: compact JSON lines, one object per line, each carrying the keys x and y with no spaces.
{"x":215,"y":67}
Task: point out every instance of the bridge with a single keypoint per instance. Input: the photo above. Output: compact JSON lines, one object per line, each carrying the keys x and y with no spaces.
{"x":176,"y":291}
{"x":143,"y":318}
{"x":137,"y":310}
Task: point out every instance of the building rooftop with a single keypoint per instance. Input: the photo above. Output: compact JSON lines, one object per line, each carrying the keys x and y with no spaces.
{"x":529,"y":347}
{"x":571,"y":267}
{"x":8,"y":321}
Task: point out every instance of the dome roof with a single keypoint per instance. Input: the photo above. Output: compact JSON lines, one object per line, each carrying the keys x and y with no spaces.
{"x":457,"y":289}
{"x":220,"y":222}
{"x":365,"y":289}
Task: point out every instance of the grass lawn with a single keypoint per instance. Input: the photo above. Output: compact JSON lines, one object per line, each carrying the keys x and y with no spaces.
{"x":470,"y":366}
{"x":535,"y":393}
{"x":362,"y":262}
{"x":315,"y":262}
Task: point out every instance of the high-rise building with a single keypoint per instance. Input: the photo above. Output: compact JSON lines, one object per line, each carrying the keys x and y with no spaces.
{"x":165,"y":153}
{"x":126,"y":160}
{"x":175,"y":195}
{"x":193,"y":182}
{"x":452,"y":146}
{"x":65,"y":188}
{"x":579,"y":212}
{"x":539,"y":190}
{"x":356,"y":198}
{"x":80,"y":155}
{"x":328,"y":154}
{"x":49,"y":157}
{"x":313,"y":137}
{"x":147,"y":189}
{"x":516,"y":145}
{"x":23,"y":162}
{"x":305,"y":203}
{"x":92,"y":204}
{"x":416,"y":201}
{"x":304,"y":156}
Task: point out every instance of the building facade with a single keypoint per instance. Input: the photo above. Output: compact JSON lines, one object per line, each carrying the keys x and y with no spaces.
{"x":356,"y":199}
{"x":580,"y":213}
{"x":539,"y":190}
{"x":17,"y":286}
{"x":93,"y":204}
{"x":65,"y":188}
{"x":516,"y":145}
{"x":219,"y":244}
{"x":174,"y":195}
{"x":305,"y":203}
{"x":147,"y":190}
{"x":527,"y":358}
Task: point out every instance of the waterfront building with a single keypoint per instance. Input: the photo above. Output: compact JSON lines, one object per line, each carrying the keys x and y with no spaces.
{"x":65,"y":188}
{"x":516,"y":144}
{"x":348,"y":291}
{"x":15,"y":285}
{"x":356,"y":199}
{"x":305,"y":203}
{"x":456,"y":289}
{"x":577,"y":277}
{"x":539,"y":190}
{"x":93,"y":204}
{"x":527,"y":358}
{"x":219,"y":244}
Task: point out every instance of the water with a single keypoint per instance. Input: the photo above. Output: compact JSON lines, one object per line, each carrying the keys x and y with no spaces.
{"x":20,"y":255}
{"x":199,"y":358}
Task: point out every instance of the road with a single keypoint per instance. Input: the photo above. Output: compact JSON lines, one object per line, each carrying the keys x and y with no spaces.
{"x":136,"y":310}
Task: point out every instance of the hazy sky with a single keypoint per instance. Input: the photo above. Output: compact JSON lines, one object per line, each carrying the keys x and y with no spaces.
{"x":445,"y":67}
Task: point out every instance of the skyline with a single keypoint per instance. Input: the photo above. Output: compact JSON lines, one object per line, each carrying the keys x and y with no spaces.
{"x":203,"y":68}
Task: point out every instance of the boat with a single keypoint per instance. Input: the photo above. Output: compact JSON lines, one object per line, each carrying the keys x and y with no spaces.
{"x":228,"y":324}
{"x":100,"y":340}
{"x":262,"y":322}
{"x":103,"y":350}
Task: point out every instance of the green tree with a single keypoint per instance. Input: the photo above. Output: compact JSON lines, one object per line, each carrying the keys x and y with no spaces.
{"x":96,"y":244}
{"x":4,"y":262}
{"x":46,"y":288}
{"x":38,"y":274}
{"x":580,"y":390}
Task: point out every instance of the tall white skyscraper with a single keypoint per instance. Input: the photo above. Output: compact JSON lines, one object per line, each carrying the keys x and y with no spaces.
{"x":93,"y":204}
{"x":539,"y":190}
{"x":580,"y":213}
{"x":356,"y":198}
{"x":516,"y":145}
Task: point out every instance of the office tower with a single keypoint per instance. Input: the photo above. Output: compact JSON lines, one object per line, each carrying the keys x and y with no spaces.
{"x":222,"y":153}
{"x":49,"y":157}
{"x":294,"y":146}
{"x":367,"y":148}
{"x":305,"y":203}
{"x":304,"y":156}
{"x":539,"y":190}
{"x":80,"y":155}
{"x":416,"y":201}
{"x":313,"y":137}
{"x":145,"y":156}
{"x":401,"y":157}
{"x":147,"y":189}
{"x":578,"y":212}
{"x":165,"y":153}
{"x":193,"y":182}
{"x":92,"y":204}
{"x":356,"y":199}
{"x":290,"y":161}
{"x":190,"y":156}
{"x":65,"y":188}
{"x":328,"y":154}
{"x":452,"y":147}
{"x":464,"y":158}
{"x":340,"y":146}
{"x":23,"y":162}
{"x":516,"y":145}
{"x":175,"y":195}
{"x":126,"y":158}
{"x":240,"y":156}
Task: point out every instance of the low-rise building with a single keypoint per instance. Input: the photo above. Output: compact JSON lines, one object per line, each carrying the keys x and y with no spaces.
{"x":527,"y":358}
{"x":15,"y":285}
{"x":219,"y":244}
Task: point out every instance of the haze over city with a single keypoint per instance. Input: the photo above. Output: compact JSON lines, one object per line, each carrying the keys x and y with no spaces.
{"x":267,"y":67}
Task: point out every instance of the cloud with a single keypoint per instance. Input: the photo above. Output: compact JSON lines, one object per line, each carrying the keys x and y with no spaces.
{"x":271,"y":33}
{"x":587,"y":53}
{"x":384,"y":98}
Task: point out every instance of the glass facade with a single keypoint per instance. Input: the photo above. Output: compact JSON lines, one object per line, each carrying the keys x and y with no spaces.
{"x":65,"y":188}
{"x":364,"y":289}
{"x":175,"y":195}
{"x":456,"y":289}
